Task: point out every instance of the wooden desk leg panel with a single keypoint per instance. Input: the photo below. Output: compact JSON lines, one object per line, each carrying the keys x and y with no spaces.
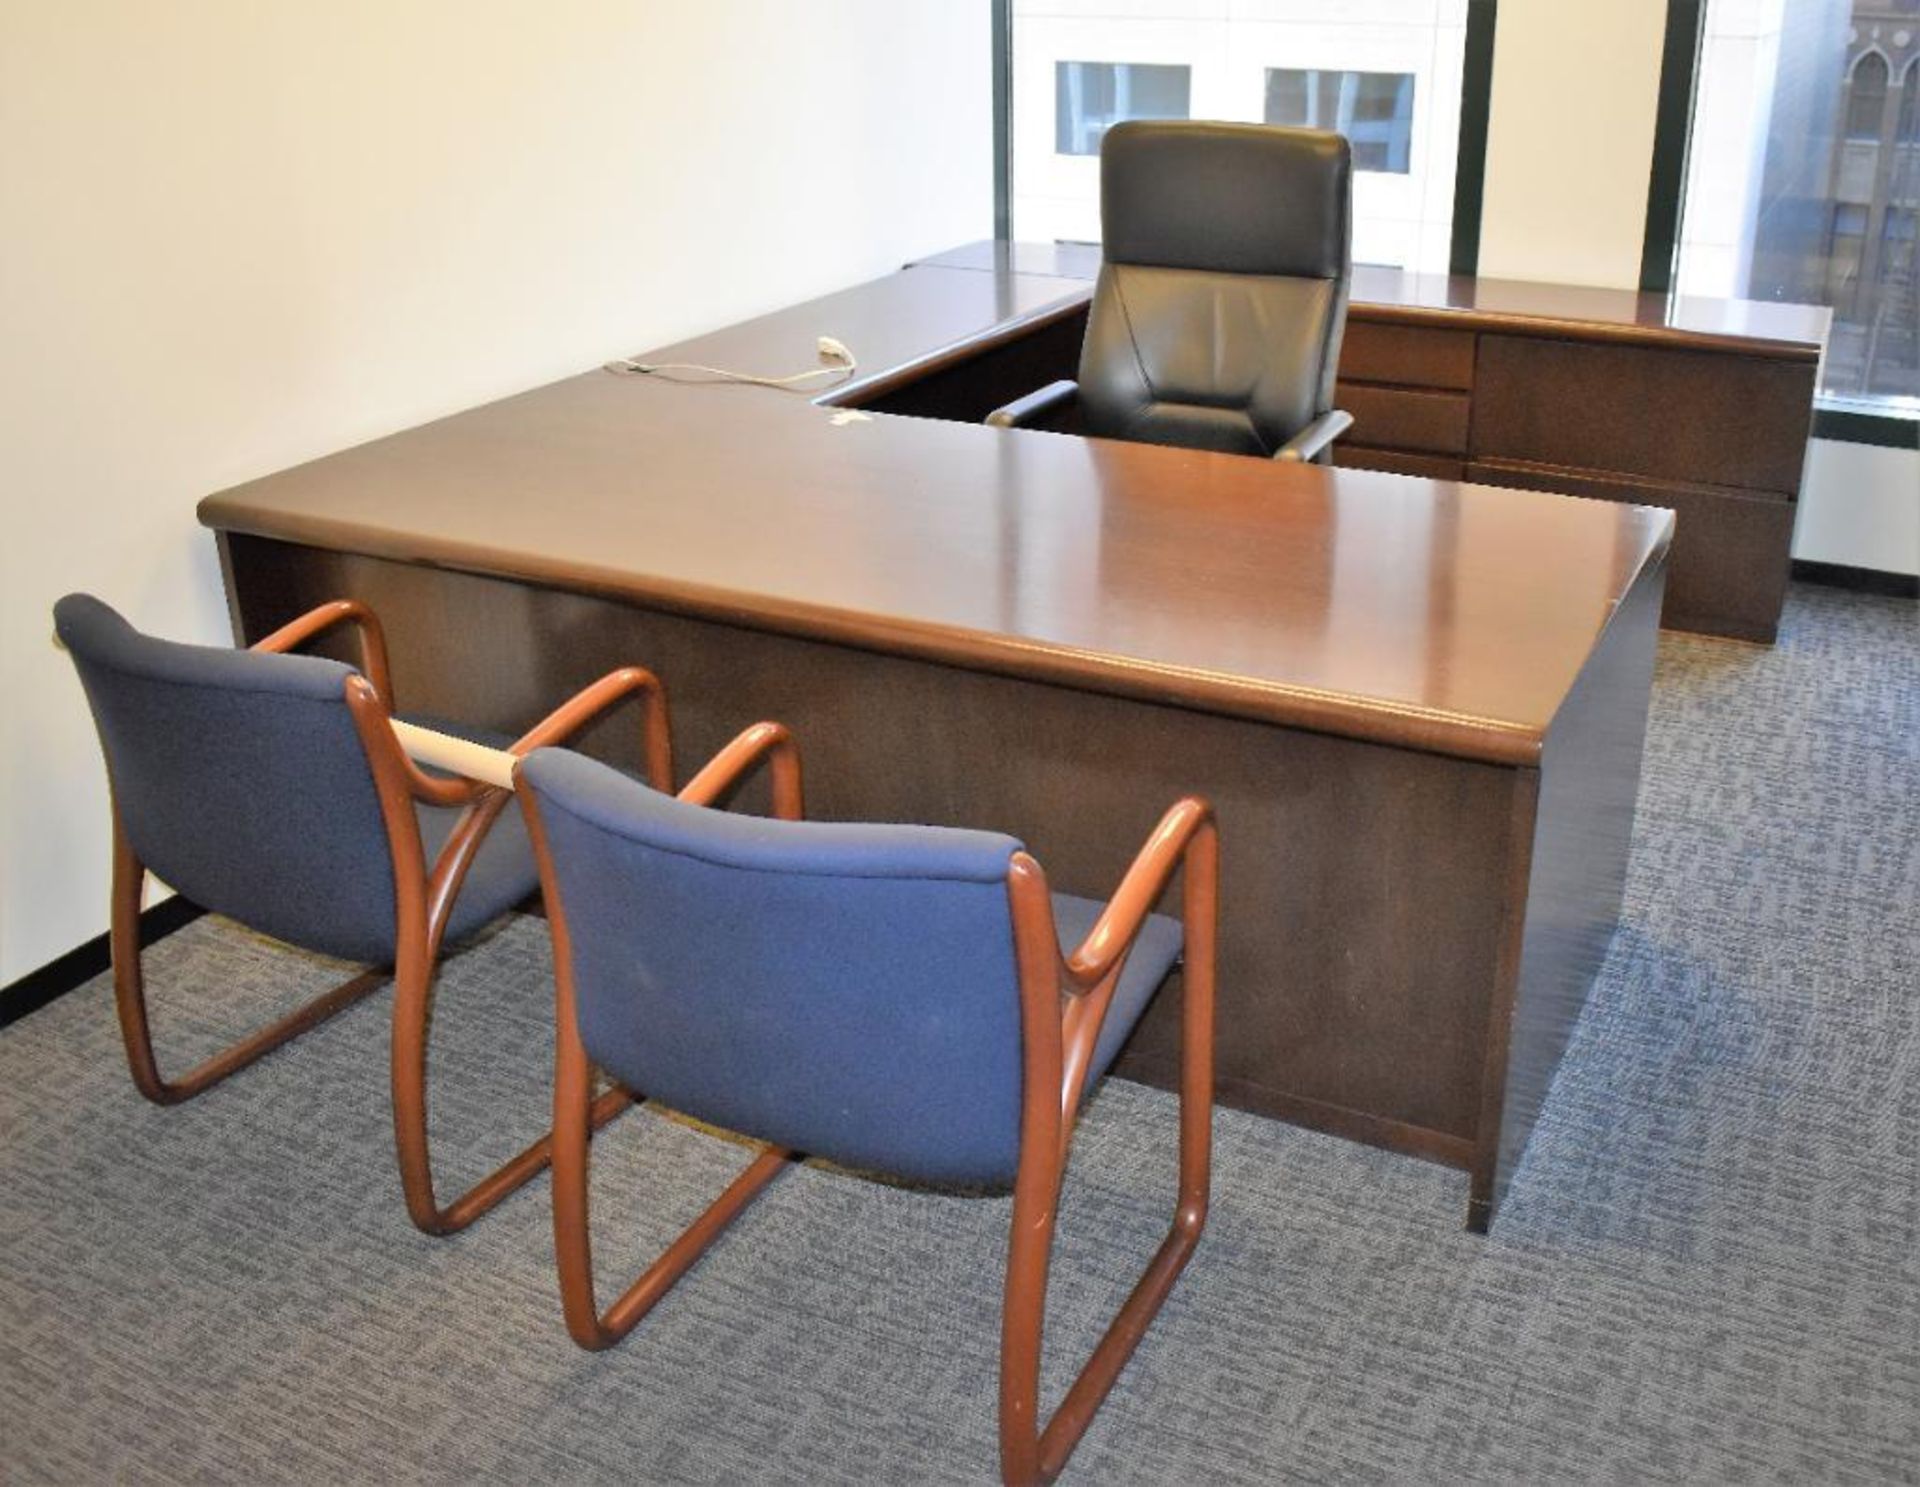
{"x":1588,"y":783}
{"x":1366,"y":891}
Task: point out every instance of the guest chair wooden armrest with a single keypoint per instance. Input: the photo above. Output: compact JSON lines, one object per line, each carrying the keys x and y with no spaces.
{"x":423,"y":925}
{"x":665,"y":916}
{"x":272,"y":787}
{"x":1061,"y":1045}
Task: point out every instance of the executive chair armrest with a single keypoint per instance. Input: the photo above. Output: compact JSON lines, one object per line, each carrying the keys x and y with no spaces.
{"x":1023,"y":411}
{"x":1315,"y":437}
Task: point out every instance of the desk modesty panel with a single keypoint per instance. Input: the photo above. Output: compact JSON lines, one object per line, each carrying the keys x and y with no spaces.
{"x":1418,"y":705}
{"x":1702,"y":406}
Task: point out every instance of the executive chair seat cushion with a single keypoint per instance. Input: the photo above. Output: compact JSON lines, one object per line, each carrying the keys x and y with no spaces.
{"x":1205,"y":361}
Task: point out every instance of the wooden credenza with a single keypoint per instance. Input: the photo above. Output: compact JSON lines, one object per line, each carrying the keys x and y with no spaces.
{"x":1702,"y":406}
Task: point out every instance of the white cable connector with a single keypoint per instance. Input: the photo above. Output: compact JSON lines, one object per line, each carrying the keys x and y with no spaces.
{"x":837,"y":361}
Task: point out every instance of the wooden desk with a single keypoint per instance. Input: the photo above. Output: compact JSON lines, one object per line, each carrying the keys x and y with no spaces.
{"x":1419,"y":706}
{"x":1702,"y":406}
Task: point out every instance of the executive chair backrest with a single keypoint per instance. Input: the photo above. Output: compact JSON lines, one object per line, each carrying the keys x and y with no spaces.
{"x":239,"y":778}
{"x":1217,"y":317}
{"x":845,"y":991}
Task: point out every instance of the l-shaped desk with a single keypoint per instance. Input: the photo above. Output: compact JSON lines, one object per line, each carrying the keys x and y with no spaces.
{"x":1418,"y":705}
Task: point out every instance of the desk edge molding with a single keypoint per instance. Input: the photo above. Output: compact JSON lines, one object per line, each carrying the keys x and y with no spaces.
{"x":1368,"y":720}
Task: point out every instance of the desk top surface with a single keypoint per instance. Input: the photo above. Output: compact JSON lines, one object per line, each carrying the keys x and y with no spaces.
{"x":1758,"y":327}
{"x":1412,"y":612}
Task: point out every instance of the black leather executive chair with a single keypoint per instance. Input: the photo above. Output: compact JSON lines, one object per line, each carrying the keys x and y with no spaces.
{"x":1217,"y":317}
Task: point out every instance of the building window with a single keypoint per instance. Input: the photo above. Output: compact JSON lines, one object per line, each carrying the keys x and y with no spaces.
{"x":1373,"y":109}
{"x":1896,"y":245}
{"x":1091,"y":97}
{"x":1844,"y":245}
{"x":1391,"y":80}
{"x":1867,"y":97}
{"x":1803,"y":182}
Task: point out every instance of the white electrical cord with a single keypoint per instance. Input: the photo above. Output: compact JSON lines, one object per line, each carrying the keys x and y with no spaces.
{"x":839,"y":361}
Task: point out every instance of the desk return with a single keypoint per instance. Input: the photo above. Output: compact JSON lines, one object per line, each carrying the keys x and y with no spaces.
{"x":1701,"y":406}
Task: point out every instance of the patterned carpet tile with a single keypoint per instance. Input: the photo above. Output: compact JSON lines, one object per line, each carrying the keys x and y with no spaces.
{"x":1708,"y":1269}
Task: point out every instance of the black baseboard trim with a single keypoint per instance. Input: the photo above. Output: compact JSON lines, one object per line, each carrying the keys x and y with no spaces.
{"x":1861,"y":580}
{"x":82,"y":963}
{"x":1850,"y":426}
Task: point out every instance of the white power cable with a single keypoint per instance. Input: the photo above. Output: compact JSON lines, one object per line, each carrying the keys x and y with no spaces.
{"x":839,"y":361}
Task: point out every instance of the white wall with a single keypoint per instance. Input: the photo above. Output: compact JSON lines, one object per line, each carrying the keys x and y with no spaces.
{"x":239,"y":234}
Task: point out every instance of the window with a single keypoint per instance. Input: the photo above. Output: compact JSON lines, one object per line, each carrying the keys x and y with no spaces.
{"x":1373,"y":109}
{"x":1896,"y":252}
{"x":1867,"y":97}
{"x":1844,"y":254}
{"x":1091,"y":97}
{"x":1803,"y":182}
{"x":1392,"y":80}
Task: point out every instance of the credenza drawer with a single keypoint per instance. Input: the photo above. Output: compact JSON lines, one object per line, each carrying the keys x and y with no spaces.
{"x":1398,"y":462}
{"x":1401,"y":418}
{"x":1407,"y":355}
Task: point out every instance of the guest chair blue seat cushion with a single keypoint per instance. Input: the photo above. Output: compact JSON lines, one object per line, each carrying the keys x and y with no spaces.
{"x":844,"y":990}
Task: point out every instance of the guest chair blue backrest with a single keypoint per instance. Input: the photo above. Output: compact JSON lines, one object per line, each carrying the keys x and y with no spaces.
{"x":271,"y":788}
{"x":893,"y":998}
{"x":848,"y":991}
{"x":240,"y":779}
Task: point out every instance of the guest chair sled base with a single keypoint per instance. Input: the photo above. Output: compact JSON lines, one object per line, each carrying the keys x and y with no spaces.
{"x":1060,"y":1019}
{"x":272,"y":788}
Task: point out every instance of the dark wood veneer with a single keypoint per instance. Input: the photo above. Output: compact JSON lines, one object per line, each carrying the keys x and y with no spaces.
{"x":1668,"y":415}
{"x":1406,"y":356}
{"x":1698,"y":405}
{"x":1353,"y":455}
{"x":1416,"y":420}
{"x":1373,"y":677}
{"x":1734,"y":585}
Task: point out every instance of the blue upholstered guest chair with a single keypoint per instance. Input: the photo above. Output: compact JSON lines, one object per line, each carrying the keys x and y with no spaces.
{"x":893,"y":998}
{"x":272,"y":788}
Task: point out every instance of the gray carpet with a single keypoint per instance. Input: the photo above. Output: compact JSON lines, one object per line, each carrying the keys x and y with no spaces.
{"x":1708,"y":1270}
